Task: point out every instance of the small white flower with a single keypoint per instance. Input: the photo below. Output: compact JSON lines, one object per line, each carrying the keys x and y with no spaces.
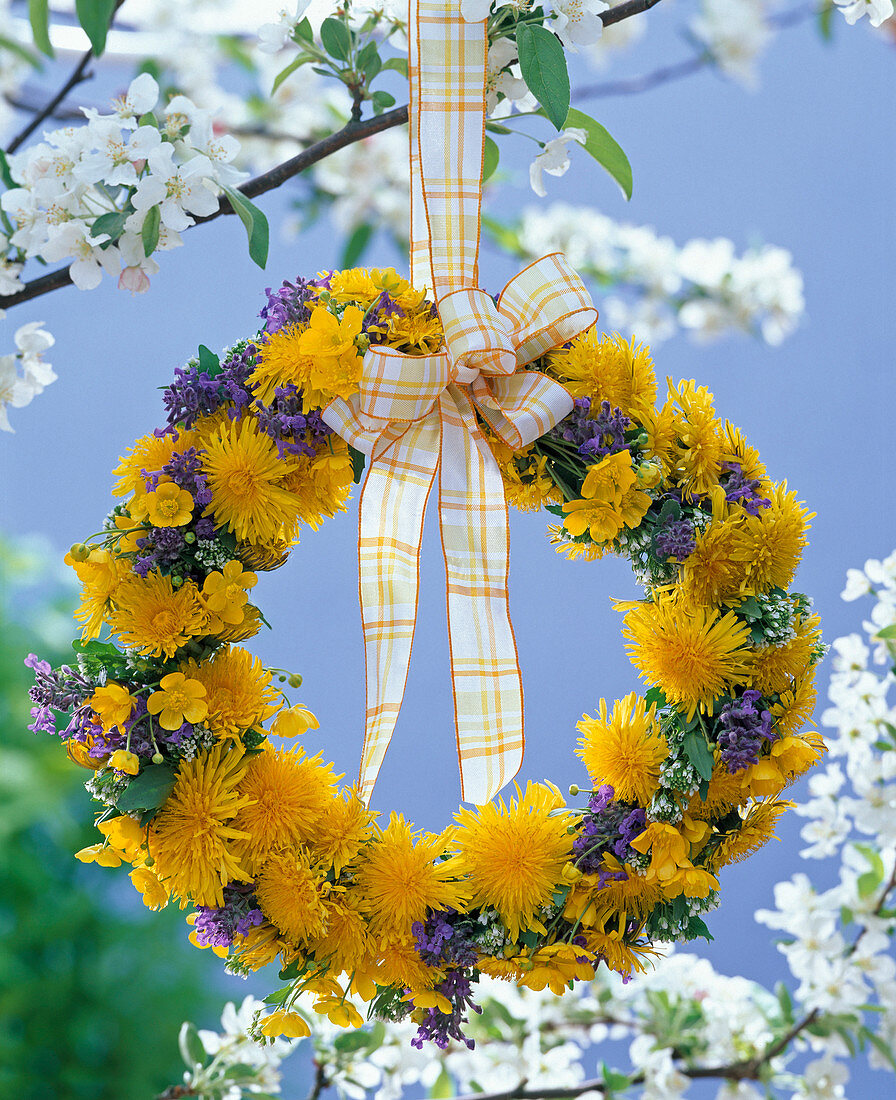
{"x":140,"y":98}
{"x":178,"y":190}
{"x":14,"y":391}
{"x":878,"y":11}
{"x":272,"y":37}
{"x":474,"y":11}
{"x":73,"y":238}
{"x":554,"y":158}
{"x":577,"y":22}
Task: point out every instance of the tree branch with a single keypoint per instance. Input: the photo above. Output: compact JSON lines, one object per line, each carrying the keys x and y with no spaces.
{"x":79,"y":74}
{"x":350,"y":133}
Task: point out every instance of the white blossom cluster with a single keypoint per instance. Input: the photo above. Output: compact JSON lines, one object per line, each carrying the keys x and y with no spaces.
{"x":735,"y":33}
{"x":681,"y":1020}
{"x":25,"y":373}
{"x":878,"y":11}
{"x":86,"y":191}
{"x":703,"y":287}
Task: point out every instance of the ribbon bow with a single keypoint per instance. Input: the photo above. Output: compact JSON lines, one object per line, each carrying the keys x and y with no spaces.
{"x":416,"y":416}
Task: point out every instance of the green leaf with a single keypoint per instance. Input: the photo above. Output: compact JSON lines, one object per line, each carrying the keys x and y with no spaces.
{"x":304,"y":32}
{"x":358,"y":460}
{"x":826,"y":22}
{"x":278,"y":996}
{"x":443,"y":1086}
{"x":209,"y":362}
{"x":368,"y":60}
{"x":490,"y":157}
{"x":356,"y":245}
{"x":255,"y":222}
{"x":698,"y":753}
{"x":39,"y":17}
{"x":94,"y":648}
{"x":655,"y":695}
{"x":149,"y":789}
{"x":5,"y":173}
{"x":95,"y":17}
{"x":382,"y":101}
{"x":191,"y":1049}
{"x":336,"y":40}
{"x":348,"y":1042}
{"x":887,"y":632}
{"x":20,"y":51}
{"x":697,"y":927}
{"x":296,"y":63}
{"x":111,"y":223}
{"x":879,"y":1044}
{"x":150,"y":230}
{"x":601,"y":144}
{"x":399,"y":64}
{"x":786,"y":1002}
{"x":750,"y":609}
{"x":543,"y":65}
{"x":874,"y":861}
{"x":613,"y":1079}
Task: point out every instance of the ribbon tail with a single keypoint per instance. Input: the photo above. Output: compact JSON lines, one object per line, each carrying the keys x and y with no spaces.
{"x":393,"y":504}
{"x":488,"y":690}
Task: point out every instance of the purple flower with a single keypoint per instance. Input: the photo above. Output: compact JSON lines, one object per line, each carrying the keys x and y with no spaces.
{"x":675,"y":539}
{"x":289,"y":304}
{"x":193,"y":393}
{"x":441,"y":943}
{"x":59,"y":690}
{"x":609,"y":826}
{"x":737,"y":487}
{"x":294,"y":431}
{"x":594,"y":436}
{"x":741,"y":730}
{"x":217,"y":926}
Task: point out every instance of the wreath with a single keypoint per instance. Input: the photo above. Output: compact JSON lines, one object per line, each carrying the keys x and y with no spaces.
{"x":181,"y":726}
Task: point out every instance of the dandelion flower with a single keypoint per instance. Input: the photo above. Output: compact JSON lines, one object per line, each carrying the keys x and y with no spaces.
{"x":514,"y":856}
{"x":775,"y":667}
{"x":608,"y":368}
{"x":624,"y":749}
{"x":714,"y":574}
{"x":757,"y":828}
{"x":693,"y":657}
{"x":342,"y":830}
{"x":149,"y":453}
{"x":701,"y":447}
{"x":773,"y":541}
{"x":191,"y":839}
{"x":100,"y":575}
{"x":244,"y":472}
{"x":288,"y":792}
{"x":400,"y":880}
{"x":155,"y":617}
{"x":288,"y":891}
{"x":238,"y":690}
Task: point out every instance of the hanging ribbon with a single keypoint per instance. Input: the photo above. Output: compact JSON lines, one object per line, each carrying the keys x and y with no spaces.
{"x":416,"y":417}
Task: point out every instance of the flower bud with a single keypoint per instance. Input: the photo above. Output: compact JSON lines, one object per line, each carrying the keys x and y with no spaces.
{"x":189,"y":537}
{"x":177,"y":580}
{"x":362,"y":342}
{"x":157,"y":758}
{"x":574,"y":789}
{"x":295,"y":680}
{"x":80,"y":552}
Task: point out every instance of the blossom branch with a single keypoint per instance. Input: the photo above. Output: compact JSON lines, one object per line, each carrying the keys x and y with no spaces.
{"x":78,"y":76}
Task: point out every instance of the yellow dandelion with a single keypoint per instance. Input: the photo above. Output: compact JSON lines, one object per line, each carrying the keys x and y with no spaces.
{"x":630,"y":893}
{"x":795,"y":707}
{"x":354,"y":284}
{"x":321,"y":485}
{"x":100,"y":575}
{"x":398,"y":963}
{"x":288,"y":889}
{"x":773,"y":541}
{"x":694,"y":657}
{"x":621,"y":955}
{"x":608,"y":368}
{"x":701,"y":444}
{"x":149,"y":453}
{"x":744,"y":455}
{"x":191,"y":839}
{"x":153,"y":616}
{"x":756,"y":829}
{"x":624,"y":749}
{"x":261,"y":945}
{"x":527,"y":485}
{"x":777,"y":666}
{"x":346,"y":939}
{"x":513,"y":856}
{"x":238,"y":632}
{"x":399,"y":880}
{"x":342,"y":830}
{"x":662,"y":428}
{"x":244,"y":471}
{"x":280,"y":362}
{"x":725,"y":793}
{"x":715,"y":574}
{"x":238,"y":690}
{"x":419,"y":331}
{"x":573,"y":551}
{"x":287,"y":793}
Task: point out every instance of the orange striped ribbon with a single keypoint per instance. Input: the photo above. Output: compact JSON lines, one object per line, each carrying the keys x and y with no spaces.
{"x":416,"y":417}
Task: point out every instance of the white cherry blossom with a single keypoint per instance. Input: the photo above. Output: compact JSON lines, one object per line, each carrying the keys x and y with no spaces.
{"x":554,"y":158}
{"x":178,"y":190}
{"x":577,"y":22}
{"x":73,"y":238}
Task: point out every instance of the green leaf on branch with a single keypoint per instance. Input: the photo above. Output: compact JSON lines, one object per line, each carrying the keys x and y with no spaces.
{"x":5,"y":173}
{"x":149,"y":789}
{"x":443,"y":1086}
{"x":150,"y":231}
{"x":95,"y":17}
{"x":296,"y":63}
{"x":356,"y":245}
{"x":39,"y":17}
{"x":358,"y":459}
{"x":605,"y":149}
{"x":20,"y":51}
{"x":112,"y":224}
{"x":398,"y":64}
{"x":543,"y":65}
{"x":698,"y":753}
{"x":336,"y":39}
{"x":382,"y":101}
{"x":656,"y":696}
{"x":255,"y":222}
{"x":866,"y":1034}
{"x":303,"y":32}
{"x":490,"y":157}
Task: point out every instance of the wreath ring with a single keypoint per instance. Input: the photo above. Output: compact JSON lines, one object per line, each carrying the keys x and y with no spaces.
{"x":175,"y":718}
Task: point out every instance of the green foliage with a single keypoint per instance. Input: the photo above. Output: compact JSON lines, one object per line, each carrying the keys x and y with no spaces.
{"x":255,"y":222}
{"x":95,"y":17}
{"x":93,"y":987}
{"x":605,"y":149}
{"x":543,"y":65}
{"x":39,"y":17}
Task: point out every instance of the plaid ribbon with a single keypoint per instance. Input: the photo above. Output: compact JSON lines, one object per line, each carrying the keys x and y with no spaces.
{"x":416,"y":417}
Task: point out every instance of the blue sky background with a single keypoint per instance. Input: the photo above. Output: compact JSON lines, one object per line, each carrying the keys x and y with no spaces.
{"x":806,"y":163}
